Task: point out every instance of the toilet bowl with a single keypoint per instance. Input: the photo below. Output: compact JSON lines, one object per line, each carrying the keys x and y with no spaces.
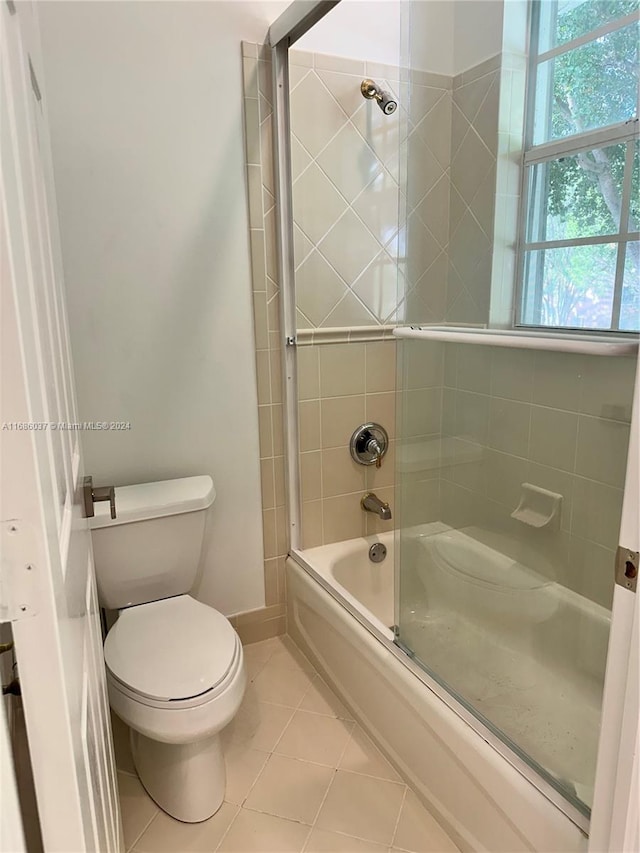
{"x":175,"y":670}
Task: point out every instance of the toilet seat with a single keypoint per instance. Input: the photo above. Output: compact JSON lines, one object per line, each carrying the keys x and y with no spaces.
{"x":172,"y":652}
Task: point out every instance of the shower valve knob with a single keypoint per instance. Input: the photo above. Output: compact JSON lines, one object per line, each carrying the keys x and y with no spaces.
{"x":369,"y":444}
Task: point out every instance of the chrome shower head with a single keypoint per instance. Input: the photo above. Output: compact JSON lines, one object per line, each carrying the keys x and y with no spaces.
{"x":385,"y":101}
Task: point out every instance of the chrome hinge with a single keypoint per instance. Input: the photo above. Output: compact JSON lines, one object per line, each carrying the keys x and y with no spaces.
{"x":627,"y":568}
{"x":291,"y":341}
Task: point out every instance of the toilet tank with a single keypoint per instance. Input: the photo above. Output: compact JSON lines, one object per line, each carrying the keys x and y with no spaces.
{"x":151,"y":550}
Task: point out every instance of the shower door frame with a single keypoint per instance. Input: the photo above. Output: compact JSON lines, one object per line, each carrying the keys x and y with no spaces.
{"x":614,"y":814}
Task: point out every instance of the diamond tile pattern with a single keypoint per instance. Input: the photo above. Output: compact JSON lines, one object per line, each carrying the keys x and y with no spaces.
{"x":349,"y":246}
{"x":355,"y":170}
{"x":347,"y":201}
{"x":474,"y":142}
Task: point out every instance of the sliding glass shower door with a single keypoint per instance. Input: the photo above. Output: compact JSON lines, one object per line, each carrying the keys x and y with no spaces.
{"x":510,"y":473}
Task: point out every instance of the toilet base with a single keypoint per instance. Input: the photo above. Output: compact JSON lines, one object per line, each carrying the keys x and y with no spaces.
{"x":186,"y":780}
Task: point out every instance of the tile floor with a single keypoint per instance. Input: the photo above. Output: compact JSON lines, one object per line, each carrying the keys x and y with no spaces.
{"x":301,"y":776}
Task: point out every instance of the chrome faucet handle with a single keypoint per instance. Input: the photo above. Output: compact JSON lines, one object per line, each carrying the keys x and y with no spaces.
{"x":373,"y":447}
{"x":369,"y":444}
{"x":93,"y":495}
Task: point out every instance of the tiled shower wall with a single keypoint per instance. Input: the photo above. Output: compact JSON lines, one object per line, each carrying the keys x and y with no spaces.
{"x":366,"y":254}
{"x":474,"y":148}
{"x":357,"y":261}
{"x":270,"y":620}
{"x":341,"y":386}
{"x":502,"y":417}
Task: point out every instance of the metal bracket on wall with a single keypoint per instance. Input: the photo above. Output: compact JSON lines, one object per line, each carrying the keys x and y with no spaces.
{"x":627,"y":563}
{"x":291,"y":341}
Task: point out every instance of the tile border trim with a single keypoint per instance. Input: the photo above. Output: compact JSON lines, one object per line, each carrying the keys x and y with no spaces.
{"x":343,"y":335}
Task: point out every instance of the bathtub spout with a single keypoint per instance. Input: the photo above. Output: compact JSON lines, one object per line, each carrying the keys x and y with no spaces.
{"x":372,"y":503}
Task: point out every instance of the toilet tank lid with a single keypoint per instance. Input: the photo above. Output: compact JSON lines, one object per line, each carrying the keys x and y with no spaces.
{"x":155,"y":500}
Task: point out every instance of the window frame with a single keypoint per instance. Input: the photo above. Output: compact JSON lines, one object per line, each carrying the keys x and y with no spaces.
{"x":626,"y":132}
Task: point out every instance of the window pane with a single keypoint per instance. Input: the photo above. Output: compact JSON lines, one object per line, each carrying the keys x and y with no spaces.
{"x":630,"y":308}
{"x":567,"y":19}
{"x":577,"y":196}
{"x":634,"y":209}
{"x":572,"y":286}
{"x":592,"y":86}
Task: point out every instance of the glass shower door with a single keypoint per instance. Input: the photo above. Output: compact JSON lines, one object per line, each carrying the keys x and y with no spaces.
{"x":510,"y":471}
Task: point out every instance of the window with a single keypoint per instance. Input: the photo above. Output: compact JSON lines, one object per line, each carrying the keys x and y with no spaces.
{"x":580,"y":249}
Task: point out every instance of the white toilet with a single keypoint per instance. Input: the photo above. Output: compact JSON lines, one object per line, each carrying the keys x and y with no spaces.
{"x":175,"y":669}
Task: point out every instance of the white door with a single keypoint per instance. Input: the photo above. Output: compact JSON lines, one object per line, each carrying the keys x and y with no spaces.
{"x":615,"y":819}
{"x":48,"y":586}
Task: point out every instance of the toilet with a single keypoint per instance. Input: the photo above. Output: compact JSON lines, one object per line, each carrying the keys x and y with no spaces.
{"x":175,"y":671}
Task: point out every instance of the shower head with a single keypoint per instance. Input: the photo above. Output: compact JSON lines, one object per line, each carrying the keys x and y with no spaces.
{"x":384,"y":100}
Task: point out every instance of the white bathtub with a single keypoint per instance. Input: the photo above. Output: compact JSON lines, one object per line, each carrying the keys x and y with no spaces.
{"x":341,"y":613}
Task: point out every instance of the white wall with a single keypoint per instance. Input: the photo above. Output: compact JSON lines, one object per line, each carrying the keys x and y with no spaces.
{"x":477,"y":32}
{"x":145,"y":106}
{"x":444,"y":36}
{"x":431,"y":35}
{"x":362,"y":29}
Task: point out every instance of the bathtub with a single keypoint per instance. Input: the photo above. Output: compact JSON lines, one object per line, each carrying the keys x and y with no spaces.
{"x":340,"y":611}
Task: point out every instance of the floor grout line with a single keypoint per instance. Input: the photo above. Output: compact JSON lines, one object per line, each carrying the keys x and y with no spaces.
{"x":139,"y":836}
{"x":231,"y":822}
{"x":395,"y":828}
{"x":245,"y":745}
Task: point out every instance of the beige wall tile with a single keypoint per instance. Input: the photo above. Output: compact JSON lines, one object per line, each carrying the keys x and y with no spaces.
{"x":380,"y":366}
{"x":319,"y":288}
{"x":509,"y":426}
{"x":553,"y":437}
{"x":267,"y":483}
{"x":258,"y":269}
{"x":340,"y":474}
{"x":339,"y":417}
{"x":258,"y":631}
{"x":311,"y":524}
{"x":557,"y":380}
{"x":602,"y":450}
{"x":309,"y":424}
{"x":343,"y":518}
{"x":265,"y":433}
{"x":276,"y":376}
{"x":589,"y":571}
{"x":311,"y":475}
{"x":278,"y":480}
{"x":260,"y":320}
{"x":308,"y":373}
{"x":263,"y":377}
{"x":596,"y":512}
{"x":512,"y":373}
{"x":421,"y":412}
{"x":271,"y":582}
{"x":282,"y":532}
{"x":342,"y":369}
{"x":381,"y":409}
{"x":278,"y":430}
{"x":269,"y":533}
{"x":607,"y":387}
{"x":251,"y":617}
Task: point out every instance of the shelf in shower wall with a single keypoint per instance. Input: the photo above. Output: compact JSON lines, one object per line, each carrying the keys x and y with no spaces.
{"x":550,"y":341}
